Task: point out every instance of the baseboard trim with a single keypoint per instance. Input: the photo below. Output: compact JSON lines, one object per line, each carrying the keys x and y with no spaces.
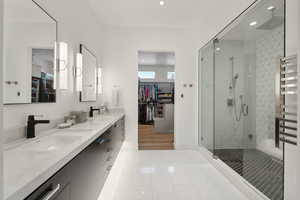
{"x":186,"y":147}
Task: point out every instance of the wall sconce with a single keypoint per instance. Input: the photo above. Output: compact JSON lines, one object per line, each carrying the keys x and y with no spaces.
{"x":78,"y":71}
{"x":62,"y":69}
{"x":99,"y":80}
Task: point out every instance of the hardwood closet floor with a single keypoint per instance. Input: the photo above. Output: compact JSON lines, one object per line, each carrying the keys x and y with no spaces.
{"x":149,"y":140}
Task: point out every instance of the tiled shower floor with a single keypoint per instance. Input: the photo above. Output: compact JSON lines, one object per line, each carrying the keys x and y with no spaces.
{"x":261,"y":170}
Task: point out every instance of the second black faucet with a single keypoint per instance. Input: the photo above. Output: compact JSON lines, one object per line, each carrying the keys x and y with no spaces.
{"x":92,"y":111}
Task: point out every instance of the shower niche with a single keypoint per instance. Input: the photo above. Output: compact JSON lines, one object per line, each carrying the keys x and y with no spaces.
{"x":238,"y":78}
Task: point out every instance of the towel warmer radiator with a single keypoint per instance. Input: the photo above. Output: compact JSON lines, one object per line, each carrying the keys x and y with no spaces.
{"x":286,"y":101}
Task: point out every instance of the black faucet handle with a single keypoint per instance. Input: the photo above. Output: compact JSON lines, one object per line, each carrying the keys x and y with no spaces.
{"x":32,"y":117}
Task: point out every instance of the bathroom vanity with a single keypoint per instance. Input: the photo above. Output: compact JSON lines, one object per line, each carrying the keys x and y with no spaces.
{"x":64,"y":164}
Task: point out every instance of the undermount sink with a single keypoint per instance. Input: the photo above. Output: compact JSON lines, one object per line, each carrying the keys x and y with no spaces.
{"x":75,"y":130}
{"x":59,"y":140}
{"x":100,"y":118}
{"x":41,"y":147}
{"x":90,"y":125}
{"x":52,"y":143}
{"x":65,"y":139}
{"x":103,"y":117}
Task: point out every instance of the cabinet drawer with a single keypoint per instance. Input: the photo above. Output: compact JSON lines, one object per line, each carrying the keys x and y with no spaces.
{"x":89,"y":172}
{"x":56,"y":188}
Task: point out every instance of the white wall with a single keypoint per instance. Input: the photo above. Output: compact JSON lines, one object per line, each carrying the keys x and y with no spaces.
{"x":76,"y":25}
{"x":1,"y":113}
{"x":120,"y":68}
{"x":161,"y":72}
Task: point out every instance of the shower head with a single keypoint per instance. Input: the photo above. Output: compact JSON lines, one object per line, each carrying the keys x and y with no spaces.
{"x":273,"y":22}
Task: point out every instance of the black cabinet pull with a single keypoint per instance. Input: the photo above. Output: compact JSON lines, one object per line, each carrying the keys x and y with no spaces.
{"x":108,"y":159}
{"x":51,"y":194}
{"x":109,"y":168}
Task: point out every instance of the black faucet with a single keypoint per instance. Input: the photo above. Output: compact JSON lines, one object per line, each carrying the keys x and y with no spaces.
{"x":92,"y":111}
{"x":31,"y":125}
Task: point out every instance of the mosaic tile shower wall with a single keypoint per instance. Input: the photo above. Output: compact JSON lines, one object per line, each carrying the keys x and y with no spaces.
{"x":268,"y":49}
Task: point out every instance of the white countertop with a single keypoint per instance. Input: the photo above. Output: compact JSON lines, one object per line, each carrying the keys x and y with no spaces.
{"x":30,"y":163}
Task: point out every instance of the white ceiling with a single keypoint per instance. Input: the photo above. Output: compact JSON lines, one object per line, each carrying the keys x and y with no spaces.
{"x":174,"y":14}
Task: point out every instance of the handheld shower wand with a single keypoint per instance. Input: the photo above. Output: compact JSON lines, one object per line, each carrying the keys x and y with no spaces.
{"x":243,"y":107}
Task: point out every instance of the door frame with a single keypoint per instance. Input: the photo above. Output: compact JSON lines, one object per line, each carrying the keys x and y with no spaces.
{"x":175,"y":86}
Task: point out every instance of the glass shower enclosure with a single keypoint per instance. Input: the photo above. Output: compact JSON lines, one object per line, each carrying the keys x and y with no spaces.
{"x":237,"y":79}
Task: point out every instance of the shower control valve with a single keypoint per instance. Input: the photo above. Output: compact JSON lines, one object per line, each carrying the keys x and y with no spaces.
{"x":230,"y":102}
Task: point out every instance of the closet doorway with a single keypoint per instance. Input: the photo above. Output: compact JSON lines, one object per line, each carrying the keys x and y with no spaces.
{"x":156,"y":81}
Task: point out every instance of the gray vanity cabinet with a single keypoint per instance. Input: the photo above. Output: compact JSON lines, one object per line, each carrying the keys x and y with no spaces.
{"x":84,"y":177}
{"x":90,"y":169}
{"x":56,"y":188}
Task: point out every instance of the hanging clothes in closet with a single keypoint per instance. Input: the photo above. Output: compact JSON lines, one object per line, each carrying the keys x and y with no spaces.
{"x":148,"y":93}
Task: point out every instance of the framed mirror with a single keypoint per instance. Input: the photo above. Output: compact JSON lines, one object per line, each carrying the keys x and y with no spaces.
{"x":30,"y":34}
{"x":88,"y":77}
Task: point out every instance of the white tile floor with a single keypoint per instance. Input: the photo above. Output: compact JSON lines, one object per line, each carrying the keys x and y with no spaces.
{"x":166,"y":175}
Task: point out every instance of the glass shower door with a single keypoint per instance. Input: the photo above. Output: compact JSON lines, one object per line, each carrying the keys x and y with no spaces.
{"x":206,"y":134}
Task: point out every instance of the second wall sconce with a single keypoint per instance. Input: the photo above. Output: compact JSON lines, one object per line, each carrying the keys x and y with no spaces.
{"x":78,"y":71}
{"x":62,"y":61}
{"x":99,"y":80}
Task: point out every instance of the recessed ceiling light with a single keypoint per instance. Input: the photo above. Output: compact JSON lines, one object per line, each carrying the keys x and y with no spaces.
{"x":253,"y":23}
{"x":271,"y":7}
{"x":162,"y":3}
{"x":218,"y":49}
